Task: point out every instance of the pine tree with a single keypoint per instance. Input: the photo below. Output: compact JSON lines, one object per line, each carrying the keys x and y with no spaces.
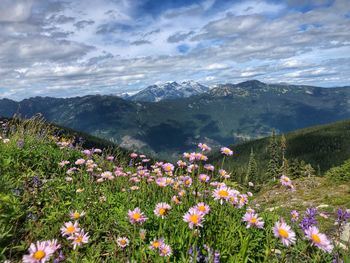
{"x":274,"y":162}
{"x":252,"y":170}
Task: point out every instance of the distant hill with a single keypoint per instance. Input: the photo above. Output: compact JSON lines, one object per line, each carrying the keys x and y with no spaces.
{"x":322,"y":146}
{"x":226,"y":114}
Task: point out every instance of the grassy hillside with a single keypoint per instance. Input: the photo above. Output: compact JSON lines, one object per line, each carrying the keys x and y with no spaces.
{"x":89,"y":203}
{"x":322,"y":146}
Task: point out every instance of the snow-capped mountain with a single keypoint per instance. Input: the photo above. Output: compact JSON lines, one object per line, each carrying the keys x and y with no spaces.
{"x":168,"y":91}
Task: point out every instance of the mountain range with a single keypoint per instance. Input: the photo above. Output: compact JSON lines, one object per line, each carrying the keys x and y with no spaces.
{"x":225,"y":114}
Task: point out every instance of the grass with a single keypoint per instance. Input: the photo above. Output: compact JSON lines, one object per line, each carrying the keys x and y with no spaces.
{"x":37,"y":196}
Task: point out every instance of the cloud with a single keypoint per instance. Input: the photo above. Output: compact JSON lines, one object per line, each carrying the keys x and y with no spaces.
{"x":64,"y":48}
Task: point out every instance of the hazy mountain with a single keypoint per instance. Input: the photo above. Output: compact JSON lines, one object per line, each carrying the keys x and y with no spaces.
{"x":226,"y":114}
{"x":168,"y":91}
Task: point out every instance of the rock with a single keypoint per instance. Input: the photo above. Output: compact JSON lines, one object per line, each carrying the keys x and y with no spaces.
{"x":322,"y":206}
{"x":345,"y":235}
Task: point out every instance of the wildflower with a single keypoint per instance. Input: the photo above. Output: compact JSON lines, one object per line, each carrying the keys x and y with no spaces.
{"x":226,"y":151}
{"x":165,"y":250}
{"x":136,"y":216}
{"x":295,"y":216}
{"x":204,"y":147}
{"x":204,"y":178}
{"x":176,"y":200}
{"x":6,"y":141}
{"x":343,"y":216}
{"x":181,"y":163}
{"x":70,"y":229}
{"x":110,"y":158}
{"x":79,"y":238}
{"x":309,"y":219}
{"x":250,"y":184}
{"x":123,"y":242}
{"x":209,"y":167}
{"x":162,"y":210}
{"x":80,"y":190}
{"x":97,"y":150}
{"x":63,"y":163}
{"x":284,"y":232}
{"x":253,"y":220}
{"x":194,"y":218}
{"x":285,"y":180}
{"x":156,"y":244}
{"x":203,"y":208}
{"x":318,"y":239}
{"x":134,"y":188}
{"x":168,"y":167}
{"x":222,"y":193}
{"x":38,"y":253}
{"x":224,"y":174}
{"x":133,"y":155}
{"x":143,"y":234}
{"x":76,"y":215}
{"x":53,"y":245}
{"x":80,"y":162}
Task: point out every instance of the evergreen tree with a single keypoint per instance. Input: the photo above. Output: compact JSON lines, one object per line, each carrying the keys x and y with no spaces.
{"x":274,"y":162}
{"x":252,"y":170}
{"x":294,"y":170}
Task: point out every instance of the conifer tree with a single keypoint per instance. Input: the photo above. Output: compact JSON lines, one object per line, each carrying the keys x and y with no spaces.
{"x":274,"y":162}
{"x":252,"y":170}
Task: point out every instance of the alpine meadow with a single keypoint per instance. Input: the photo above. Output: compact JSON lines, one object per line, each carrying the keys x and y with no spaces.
{"x":146,"y":131}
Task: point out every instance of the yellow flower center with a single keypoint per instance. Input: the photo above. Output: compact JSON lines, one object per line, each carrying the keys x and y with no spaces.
{"x":253,"y":220}
{"x":187,"y":182}
{"x":156,"y":244}
{"x":283,"y":233}
{"x":316,"y":238}
{"x":162,"y":211}
{"x":201,"y":208}
{"x":223,"y":193}
{"x":39,"y":255}
{"x":70,"y":229}
{"x":79,"y":239}
{"x":136,"y":216}
{"x":123,"y":242}
{"x":76,"y":215}
{"x":194,"y":219}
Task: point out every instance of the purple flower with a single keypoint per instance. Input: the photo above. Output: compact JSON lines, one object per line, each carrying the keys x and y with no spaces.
{"x":309,"y":219}
{"x":343,"y":216}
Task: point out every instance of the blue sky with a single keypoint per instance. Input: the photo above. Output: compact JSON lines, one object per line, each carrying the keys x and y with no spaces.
{"x":72,"y":47}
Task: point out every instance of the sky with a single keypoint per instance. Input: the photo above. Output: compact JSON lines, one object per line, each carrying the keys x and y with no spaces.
{"x":78,"y":47}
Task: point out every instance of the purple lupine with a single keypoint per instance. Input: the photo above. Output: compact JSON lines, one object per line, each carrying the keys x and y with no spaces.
{"x":36,"y":182}
{"x":216,"y":257}
{"x":20,"y":144}
{"x":60,"y":258}
{"x":343,"y":216}
{"x":309,"y":219}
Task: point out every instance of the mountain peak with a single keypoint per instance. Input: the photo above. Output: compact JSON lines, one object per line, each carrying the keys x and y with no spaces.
{"x":253,"y":82}
{"x":169,"y":90}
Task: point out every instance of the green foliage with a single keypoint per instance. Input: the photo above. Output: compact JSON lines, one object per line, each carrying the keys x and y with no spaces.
{"x":340,"y":173}
{"x":322,"y":147}
{"x":252,"y":173}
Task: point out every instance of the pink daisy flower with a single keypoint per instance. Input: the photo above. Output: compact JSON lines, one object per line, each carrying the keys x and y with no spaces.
{"x":222,"y":193}
{"x":79,"y":239}
{"x":194,"y":218}
{"x":162,"y":210}
{"x":224,"y":174}
{"x":80,"y":162}
{"x":204,"y":178}
{"x":123,"y":242}
{"x":69,"y":228}
{"x":253,"y":220}
{"x":136,"y":216}
{"x":204,"y":147}
{"x":165,"y":250}
{"x":168,"y":167}
{"x":133,"y":155}
{"x":295,"y":216}
{"x":76,"y":215}
{"x":226,"y":151}
{"x":284,"y":232}
{"x":38,"y":253}
{"x":318,"y":239}
{"x":203,"y":208}
{"x":53,"y":244}
{"x":156,"y":244}
{"x":209,"y":167}
{"x":286,"y":181}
